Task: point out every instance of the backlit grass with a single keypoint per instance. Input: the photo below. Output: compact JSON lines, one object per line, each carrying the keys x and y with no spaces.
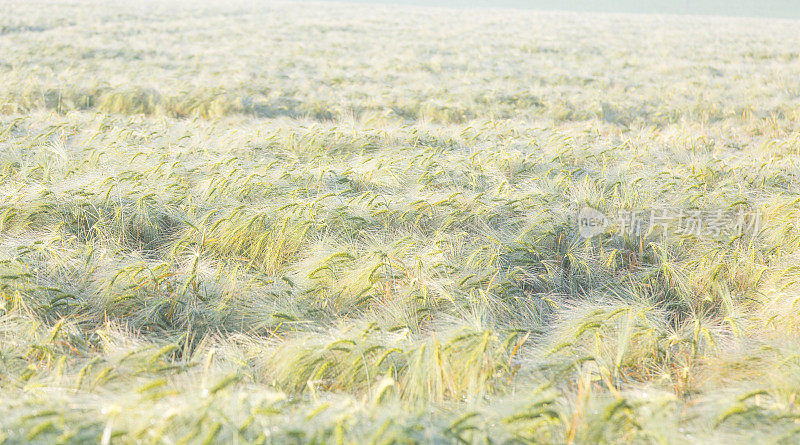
{"x":272,"y":223}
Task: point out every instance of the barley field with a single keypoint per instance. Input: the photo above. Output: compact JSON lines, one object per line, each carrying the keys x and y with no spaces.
{"x":254,"y":222}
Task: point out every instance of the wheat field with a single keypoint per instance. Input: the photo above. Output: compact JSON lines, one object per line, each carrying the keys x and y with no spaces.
{"x":254,"y":222}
